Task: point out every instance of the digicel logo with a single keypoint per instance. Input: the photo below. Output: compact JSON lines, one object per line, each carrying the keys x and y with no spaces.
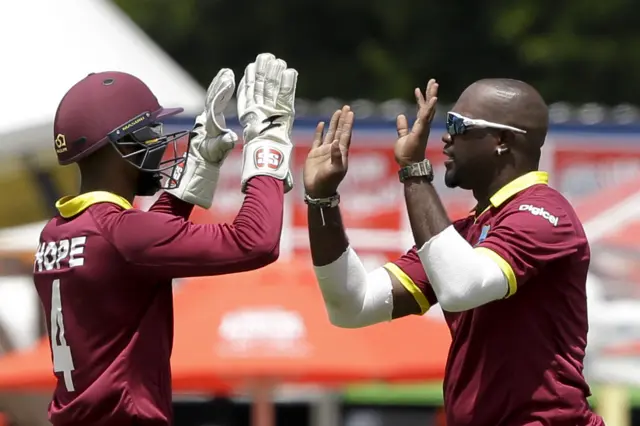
{"x":539,"y":211}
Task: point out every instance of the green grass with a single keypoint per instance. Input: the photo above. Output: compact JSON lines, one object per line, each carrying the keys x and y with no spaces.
{"x":418,"y":394}
{"x":425,"y":394}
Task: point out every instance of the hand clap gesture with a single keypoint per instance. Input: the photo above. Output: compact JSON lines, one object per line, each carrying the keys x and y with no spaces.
{"x":327,"y":162}
{"x":411,"y":144}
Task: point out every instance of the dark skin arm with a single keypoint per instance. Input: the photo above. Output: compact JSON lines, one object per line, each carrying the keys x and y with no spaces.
{"x":325,"y":167}
{"x":426,"y":212}
{"x":427,"y":215}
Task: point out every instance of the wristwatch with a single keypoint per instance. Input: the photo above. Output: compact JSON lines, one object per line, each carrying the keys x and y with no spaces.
{"x":323,"y":203}
{"x":421,"y":169}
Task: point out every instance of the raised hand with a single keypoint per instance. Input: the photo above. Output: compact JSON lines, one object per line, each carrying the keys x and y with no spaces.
{"x":266,"y":96}
{"x":411,"y":144}
{"x":210,"y":143}
{"x":327,"y":161}
{"x":218,"y":140}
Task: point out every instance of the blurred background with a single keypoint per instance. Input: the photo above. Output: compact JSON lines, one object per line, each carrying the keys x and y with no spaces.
{"x":271,"y":357}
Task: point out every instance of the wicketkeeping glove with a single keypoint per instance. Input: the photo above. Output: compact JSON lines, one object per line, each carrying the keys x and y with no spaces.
{"x":211,"y":143}
{"x":266,"y":96}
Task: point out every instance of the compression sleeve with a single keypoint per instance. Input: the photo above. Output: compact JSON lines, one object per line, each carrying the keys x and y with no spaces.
{"x":462,"y":277}
{"x":353,"y":297}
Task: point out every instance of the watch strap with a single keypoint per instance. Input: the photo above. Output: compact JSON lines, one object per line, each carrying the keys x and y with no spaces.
{"x":322,"y":203}
{"x":420,"y":169}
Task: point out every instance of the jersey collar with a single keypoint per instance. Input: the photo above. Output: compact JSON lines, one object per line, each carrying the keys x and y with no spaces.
{"x":512,"y":188}
{"x":518,"y":185}
{"x":74,"y":205}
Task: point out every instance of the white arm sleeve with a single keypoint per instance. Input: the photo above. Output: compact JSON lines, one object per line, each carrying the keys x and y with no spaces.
{"x":461,"y":277}
{"x":353,"y":297}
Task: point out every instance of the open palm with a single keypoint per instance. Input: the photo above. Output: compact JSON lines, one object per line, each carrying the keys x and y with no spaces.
{"x":412,"y":143}
{"x":327,"y":161}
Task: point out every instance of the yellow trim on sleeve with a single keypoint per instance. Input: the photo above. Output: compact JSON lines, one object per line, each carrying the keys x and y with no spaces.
{"x":411,"y":287}
{"x":504,"y":266}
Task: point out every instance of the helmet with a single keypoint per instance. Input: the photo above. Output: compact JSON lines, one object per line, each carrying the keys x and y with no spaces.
{"x":118,"y":109}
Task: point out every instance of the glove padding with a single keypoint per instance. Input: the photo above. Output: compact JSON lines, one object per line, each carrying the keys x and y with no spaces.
{"x":210,"y":144}
{"x":266,"y":96}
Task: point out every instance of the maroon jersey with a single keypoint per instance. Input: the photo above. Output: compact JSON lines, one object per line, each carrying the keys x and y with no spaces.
{"x":103,"y":272}
{"x":519,"y":361}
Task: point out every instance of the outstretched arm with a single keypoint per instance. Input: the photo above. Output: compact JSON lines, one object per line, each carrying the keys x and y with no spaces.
{"x":327,"y":236}
{"x":168,"y":246}
{"x":462,"y":278}
{"x":427,"y":215}
{"x":354,"y":298}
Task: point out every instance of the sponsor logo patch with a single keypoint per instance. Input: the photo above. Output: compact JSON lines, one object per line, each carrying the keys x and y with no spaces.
{"x":268,"y":158}
{"x":539,"y":211}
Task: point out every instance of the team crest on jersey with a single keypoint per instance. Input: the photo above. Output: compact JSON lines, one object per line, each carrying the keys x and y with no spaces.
{"x":268,"y":158}
{"x":483,"y":233}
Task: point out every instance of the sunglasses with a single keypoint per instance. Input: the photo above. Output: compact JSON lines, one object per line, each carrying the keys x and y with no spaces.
{"x":458,"y":124}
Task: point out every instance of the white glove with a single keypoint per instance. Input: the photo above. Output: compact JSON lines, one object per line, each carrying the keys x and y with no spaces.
{"x":210,"y":143}
{"x":266,"y":96}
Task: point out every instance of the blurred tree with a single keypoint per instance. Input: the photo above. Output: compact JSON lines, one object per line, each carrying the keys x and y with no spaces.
{"x":573,"y":50}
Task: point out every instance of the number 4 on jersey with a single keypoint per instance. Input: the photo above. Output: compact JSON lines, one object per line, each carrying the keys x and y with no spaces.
{"x":62,"y":360}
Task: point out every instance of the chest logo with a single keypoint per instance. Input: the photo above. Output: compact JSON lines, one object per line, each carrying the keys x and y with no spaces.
{"x":539,"y":211}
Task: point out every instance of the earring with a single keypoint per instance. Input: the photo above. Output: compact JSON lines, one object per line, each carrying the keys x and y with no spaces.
{"x":500,"y":150}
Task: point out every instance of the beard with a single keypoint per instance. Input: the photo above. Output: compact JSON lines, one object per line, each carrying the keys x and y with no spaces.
{"x":451,"y":178}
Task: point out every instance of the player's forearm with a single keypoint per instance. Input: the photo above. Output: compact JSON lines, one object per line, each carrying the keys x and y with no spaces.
{"x":175,"y":248}
{"x":327,"y":237}
{"x":169,"y":204}
{"x":253,"y":240}
{"x":258,"y":226}
{"x":427,"y":215}
{"x":353,"y":297}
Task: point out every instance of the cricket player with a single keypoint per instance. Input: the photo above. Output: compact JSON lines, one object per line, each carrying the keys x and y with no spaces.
{"x":510,"y":277}
{"x":103,"y":269}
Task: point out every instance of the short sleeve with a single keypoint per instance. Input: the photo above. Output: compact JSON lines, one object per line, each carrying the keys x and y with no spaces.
{"x":409,"y":271}
{"x":529,"y":234}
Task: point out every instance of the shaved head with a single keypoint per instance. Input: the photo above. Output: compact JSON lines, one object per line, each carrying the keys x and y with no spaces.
{"x":507,"y":101}
{"x":484,"y":159}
